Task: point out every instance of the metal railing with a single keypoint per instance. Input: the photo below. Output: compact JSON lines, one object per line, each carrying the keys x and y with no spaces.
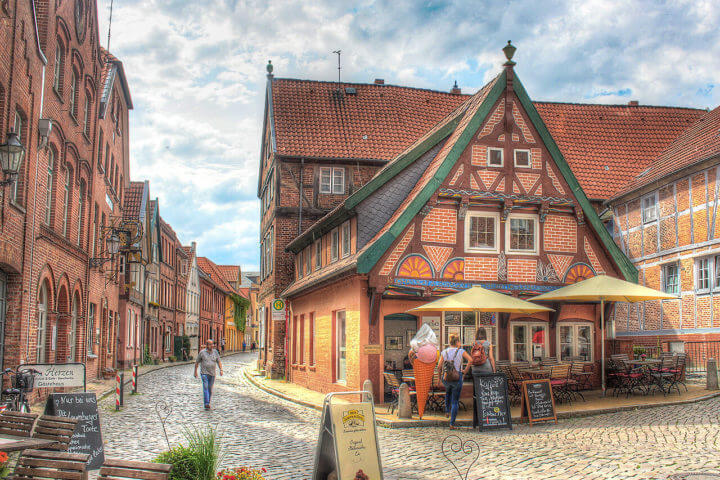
{"x":698,"y":353}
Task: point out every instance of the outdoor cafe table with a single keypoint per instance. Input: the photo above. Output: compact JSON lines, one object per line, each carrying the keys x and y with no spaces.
{"x":11,"y":443}
{"x":536,"y":372}
{"x":650,"y":362}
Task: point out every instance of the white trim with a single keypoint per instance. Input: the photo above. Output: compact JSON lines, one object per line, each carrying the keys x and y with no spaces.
{"x":327,"y":190}
{"x":334,"y":256}
{"x":536,"y":231}
{"x":529,"y":156}
{"x":574,"y":343}
{"x":527,"y":341}
{"x":475,"y":214}
{"x":654,"y":198}
{"x":502,"y":157}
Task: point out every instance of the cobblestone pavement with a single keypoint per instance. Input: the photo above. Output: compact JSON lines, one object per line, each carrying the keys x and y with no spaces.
{"x":262,"y":430}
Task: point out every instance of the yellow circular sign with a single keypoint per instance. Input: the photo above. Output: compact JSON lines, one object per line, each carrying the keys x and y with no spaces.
{"x":279,"y":304}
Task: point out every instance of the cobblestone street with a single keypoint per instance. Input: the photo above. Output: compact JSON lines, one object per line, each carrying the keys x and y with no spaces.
{"x":261,"y":430}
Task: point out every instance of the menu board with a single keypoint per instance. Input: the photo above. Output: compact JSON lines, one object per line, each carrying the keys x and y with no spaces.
{"x":538,"y":403}
{"x":492,"y":404}
{"x":87,"y":437}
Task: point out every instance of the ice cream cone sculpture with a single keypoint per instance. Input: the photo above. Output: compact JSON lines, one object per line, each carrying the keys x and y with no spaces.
{"x":423,"y":381}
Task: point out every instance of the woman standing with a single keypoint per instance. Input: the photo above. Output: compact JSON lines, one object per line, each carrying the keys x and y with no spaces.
{"x":482,"y":362}
{"x":452,"y":358}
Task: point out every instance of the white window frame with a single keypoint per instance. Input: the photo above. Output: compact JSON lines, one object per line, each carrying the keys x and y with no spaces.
{"x":326,"y":187}
{"x":665,"y":277}
{"x":574,"y":343}
{"x":527,"y":341}
{"x":477,"y":214}
{"x":654,"y":216}
{"x":334,"y":185}
{"x":502,"y":156}
{"x":515,"y":158}
{"x":334,"y":245}
{"x":318,"y":254}
{"x":346,"y":240}
{"x":536,"y":230}
{"x":308,"y":261}
{"x":711,"y":271}
{"x":341,"y":380}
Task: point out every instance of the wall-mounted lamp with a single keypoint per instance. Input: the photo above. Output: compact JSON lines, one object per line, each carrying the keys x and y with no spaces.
{"x":12,"y":154}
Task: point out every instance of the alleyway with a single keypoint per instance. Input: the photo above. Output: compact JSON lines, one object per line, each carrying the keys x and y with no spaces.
{"x":261,"y":430}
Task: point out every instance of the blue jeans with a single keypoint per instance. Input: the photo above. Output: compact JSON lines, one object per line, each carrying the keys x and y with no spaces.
{"x":208,"y":381}
{"x":452,"y":398}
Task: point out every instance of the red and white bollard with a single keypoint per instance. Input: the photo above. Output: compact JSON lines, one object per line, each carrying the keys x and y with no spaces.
{"x":134,"y":378}
{"x":117,"y":392}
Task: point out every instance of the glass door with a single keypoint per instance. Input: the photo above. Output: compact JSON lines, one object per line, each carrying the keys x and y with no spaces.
{"x":341,"y":348}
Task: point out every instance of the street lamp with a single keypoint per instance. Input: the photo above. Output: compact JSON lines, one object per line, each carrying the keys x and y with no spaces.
{"x":114,"y":244}
{"x":11,"y":156}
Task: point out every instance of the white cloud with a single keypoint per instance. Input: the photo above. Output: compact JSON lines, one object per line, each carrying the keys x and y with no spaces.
{"x":196,"y":71}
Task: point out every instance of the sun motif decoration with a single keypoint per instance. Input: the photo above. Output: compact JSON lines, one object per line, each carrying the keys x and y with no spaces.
{"x":455,"y":269}
{"x":578,"y":273}
{"x":415,"y":266}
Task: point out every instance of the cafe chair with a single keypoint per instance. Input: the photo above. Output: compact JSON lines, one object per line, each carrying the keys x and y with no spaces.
{"x":562,"y":384}
{"x":59,"y":429}
{"x":115,"y":469}
{"x":436,"y":397}
{"x":48,"y":465}
{"x":583,"y":378}
{"x":394,"y":384}
{"x":17,"y":423}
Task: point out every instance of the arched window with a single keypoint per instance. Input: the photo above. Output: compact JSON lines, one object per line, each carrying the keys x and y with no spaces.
{"x":72,"y":335}
{"x":50,"y":178}
{"x":59,"y":56}
{"x":42,"y":322}
{"x":107,"y":158}
{"x":66,"y":203}
{"x":86,"y":115}
{"x":73,"y":94}
{"x":93,"y":247}
{"x":81,"y":212}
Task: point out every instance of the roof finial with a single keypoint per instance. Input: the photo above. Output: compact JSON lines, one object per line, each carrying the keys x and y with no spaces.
{"x":509,"y":51}
{"x":269,"y":68}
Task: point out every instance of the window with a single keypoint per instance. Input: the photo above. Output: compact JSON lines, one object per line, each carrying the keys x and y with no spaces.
{"x":66,"y":204}
{"x":49,"y":191}
{"x":94,"y":231}
{"x":522,"y":158}
{"x":671,"y":278}
{"x":107,"y":159}
{"x":528,"y":342}
{"x":301,"y":352}
{"x":81,"y":212}
{"x":703,"y":274}
{"x":334,"y":245}
{"x":318,"y":255}
{"x":311,"y":338}
{"x":90,"y":328}
{"x":495,"y":157}
{"x":129,"y":322}
{"x":481,"y":231}
{"x":575,"y":342}
{"x":295,"y":340}
{"x":462,"y":324}
{"x":86,"y":115}
{"x":332,"y":180}
{"x":17,"y":128}
{"x":308,"y":261}
{"x":521,"y":234}
{"x":346,"y":239}
{"x":42,"y":306}
{"x":649,"y":208}
{"x":58,"y":67}
{"x":73,"y":94}
{"x":340,"y":351}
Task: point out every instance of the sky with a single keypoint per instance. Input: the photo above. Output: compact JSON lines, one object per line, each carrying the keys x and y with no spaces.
{"x":196,"y":70}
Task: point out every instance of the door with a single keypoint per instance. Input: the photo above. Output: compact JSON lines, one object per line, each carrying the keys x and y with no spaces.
{"x":341,"y":348}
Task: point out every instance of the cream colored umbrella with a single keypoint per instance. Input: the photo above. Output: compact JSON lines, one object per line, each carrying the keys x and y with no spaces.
{"x":478,"y":299}
{"x":603,"y":288}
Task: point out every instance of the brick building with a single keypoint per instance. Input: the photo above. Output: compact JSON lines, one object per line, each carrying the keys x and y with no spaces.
{"x":665,"y":220}
{"x":213,"y":292}
{"x":511,"y":200}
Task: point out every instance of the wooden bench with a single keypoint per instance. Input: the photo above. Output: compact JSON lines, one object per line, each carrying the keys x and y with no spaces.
{"x":17,"y":423}
{"x":114,"y":469}
{"x":59,"y":429}
{"x":46,"y":465}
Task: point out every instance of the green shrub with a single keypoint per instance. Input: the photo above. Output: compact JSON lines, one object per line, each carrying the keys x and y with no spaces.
{"x":172,"y":359}
{"x":196,"y":461}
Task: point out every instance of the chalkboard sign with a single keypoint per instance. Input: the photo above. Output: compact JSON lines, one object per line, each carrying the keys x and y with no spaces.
{"x":87,"y":437}
{"x":492,"y":404}
{"x":538,"y":403}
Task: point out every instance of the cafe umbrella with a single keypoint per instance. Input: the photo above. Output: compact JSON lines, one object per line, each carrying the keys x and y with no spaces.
{"x":603,"y":288}
{"x":474,"y":299}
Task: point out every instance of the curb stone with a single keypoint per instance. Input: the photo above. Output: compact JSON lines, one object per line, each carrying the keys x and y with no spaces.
{"x":468,"y":423}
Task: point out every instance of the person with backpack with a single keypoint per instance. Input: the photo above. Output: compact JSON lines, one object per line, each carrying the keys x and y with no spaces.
{"x":451,"y":374}
{"x":483,"y":360}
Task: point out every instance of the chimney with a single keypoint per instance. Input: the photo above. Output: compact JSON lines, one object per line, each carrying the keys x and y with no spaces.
{"x":194,"y":246}
{"x":379,"y":81}
{"x":455,"y":89}
{"x":633,"y":103}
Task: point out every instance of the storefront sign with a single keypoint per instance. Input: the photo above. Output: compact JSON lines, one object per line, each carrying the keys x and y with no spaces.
{"x":88,"y":435}
{"x":58,"y":375}
{"x":537,"y":399}
{"x":278,"y":310}
{"x":419,"y":282}
{"x":348,"y":442}
{"x":492,"y":404}
{"x":372,"y":349}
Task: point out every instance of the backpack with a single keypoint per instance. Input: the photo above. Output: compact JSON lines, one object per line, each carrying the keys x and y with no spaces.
{"x":478,"y":354}
{"x":449,"y":372}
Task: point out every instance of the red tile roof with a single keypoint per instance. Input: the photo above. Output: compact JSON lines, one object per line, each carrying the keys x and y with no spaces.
{"x":133,"y":200}
{"x":212,"y":270}
{"x":231,"y":273}
{"x":699,"y":142}
{"x":381,"y":121}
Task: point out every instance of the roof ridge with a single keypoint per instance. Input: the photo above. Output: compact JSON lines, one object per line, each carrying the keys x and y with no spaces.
{"x":446,"y":92}
{"x":625,"y":105}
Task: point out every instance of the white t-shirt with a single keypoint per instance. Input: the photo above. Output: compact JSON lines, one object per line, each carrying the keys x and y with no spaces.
{"x":453,"y":354}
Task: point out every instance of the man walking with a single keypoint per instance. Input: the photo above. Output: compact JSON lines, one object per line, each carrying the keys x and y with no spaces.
{"x":207,"y":358}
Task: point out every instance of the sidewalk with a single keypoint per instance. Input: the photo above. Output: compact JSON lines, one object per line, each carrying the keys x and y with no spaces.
{"x":595,"y":403}
{"x":104,"y":388}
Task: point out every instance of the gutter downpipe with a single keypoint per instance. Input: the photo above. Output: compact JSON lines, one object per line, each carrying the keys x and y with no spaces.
{"x":37,"y":162}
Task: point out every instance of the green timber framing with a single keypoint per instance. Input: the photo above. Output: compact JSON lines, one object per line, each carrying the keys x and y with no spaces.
{"x":370,"y":256}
